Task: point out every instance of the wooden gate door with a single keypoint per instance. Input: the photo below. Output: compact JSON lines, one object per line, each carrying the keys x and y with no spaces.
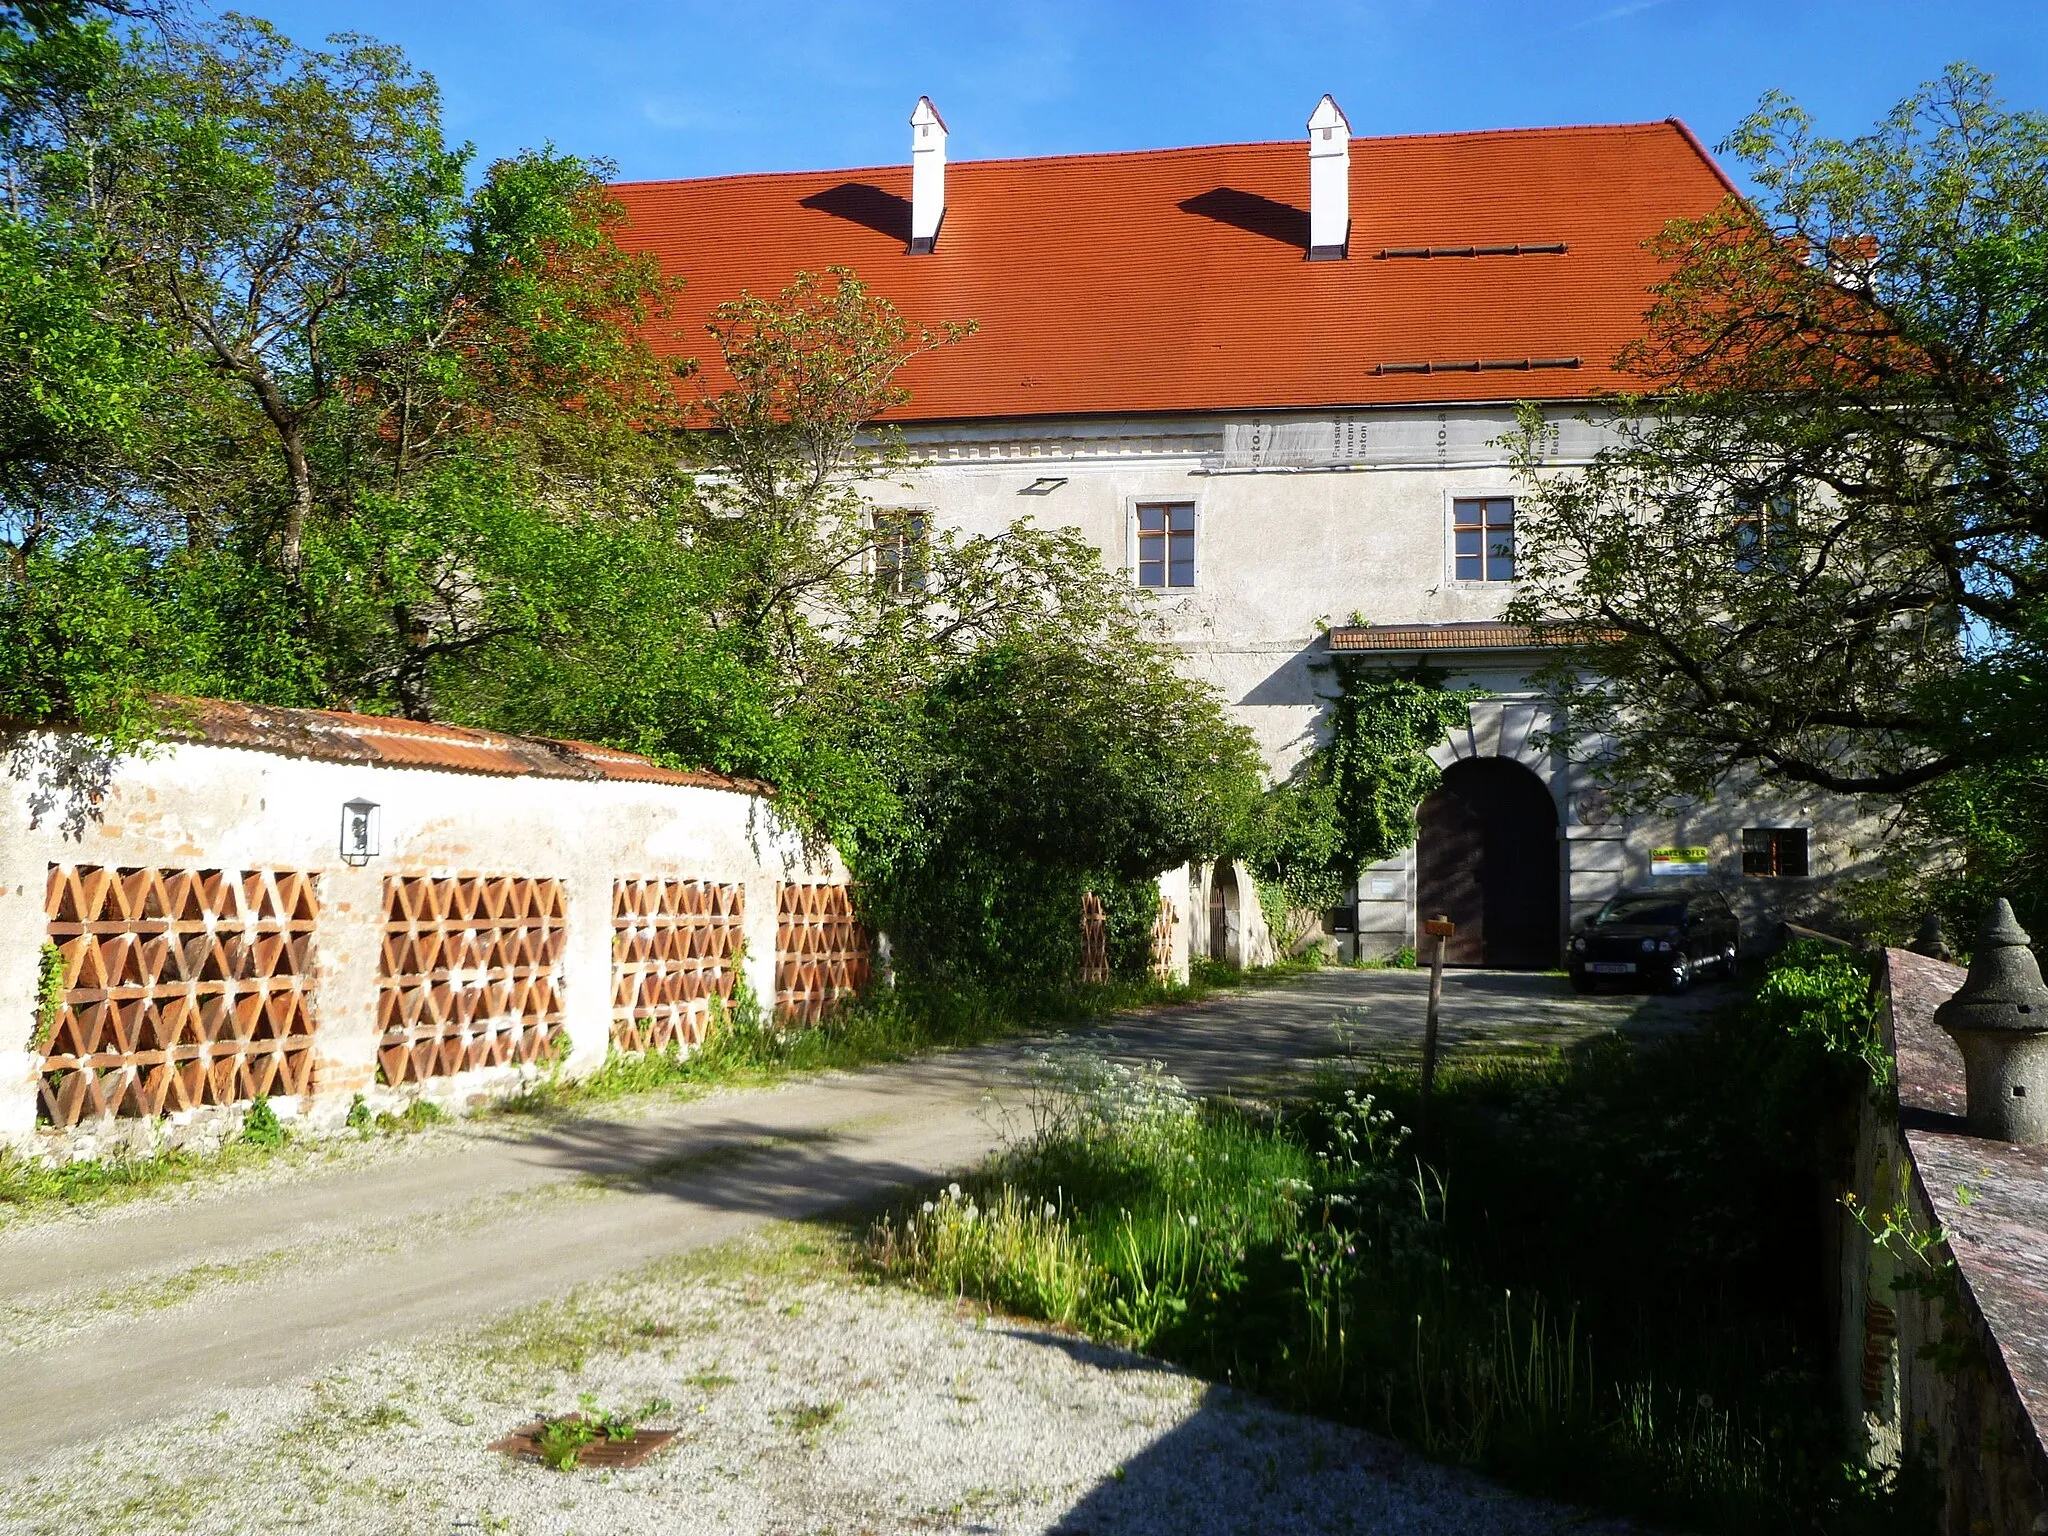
{"x":1487,"y":855}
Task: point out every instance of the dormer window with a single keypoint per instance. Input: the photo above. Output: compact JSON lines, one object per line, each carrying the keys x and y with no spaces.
{"x":1166,"y":544}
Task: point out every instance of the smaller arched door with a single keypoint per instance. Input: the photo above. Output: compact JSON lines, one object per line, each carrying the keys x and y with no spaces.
{"x":1486,"y":855}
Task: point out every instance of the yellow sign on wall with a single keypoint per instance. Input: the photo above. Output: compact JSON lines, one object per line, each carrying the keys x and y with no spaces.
{"x":1681,"y":861}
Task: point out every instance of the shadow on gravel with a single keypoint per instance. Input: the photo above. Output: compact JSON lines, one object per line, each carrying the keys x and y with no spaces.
{"x":1239,"y":1465}
{"x":836,"y":1134}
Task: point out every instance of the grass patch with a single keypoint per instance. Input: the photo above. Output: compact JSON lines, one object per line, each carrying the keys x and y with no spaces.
{"x":1598,"y":1281}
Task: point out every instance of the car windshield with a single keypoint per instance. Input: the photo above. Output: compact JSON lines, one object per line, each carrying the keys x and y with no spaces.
{"x":1642,"y":909}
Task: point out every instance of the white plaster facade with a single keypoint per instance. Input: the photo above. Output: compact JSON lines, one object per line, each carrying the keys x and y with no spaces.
{"x":205,"y":806}
{"x":1304,"y":521}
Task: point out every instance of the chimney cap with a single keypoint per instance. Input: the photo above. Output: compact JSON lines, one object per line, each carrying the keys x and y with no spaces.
{"x":924,"y":112}
{"x":1328,"y":115}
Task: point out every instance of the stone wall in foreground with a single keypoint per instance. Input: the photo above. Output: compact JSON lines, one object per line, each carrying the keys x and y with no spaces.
{"x":1943,"y":1301}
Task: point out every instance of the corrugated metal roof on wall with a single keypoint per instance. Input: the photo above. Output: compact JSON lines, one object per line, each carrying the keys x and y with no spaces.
{"x":1175,"y":280}
{"x":336,"y":737}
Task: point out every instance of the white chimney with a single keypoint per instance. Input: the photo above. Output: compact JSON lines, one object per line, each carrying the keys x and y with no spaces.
{"x":927,"y":176}
{"x":1329,"y":182}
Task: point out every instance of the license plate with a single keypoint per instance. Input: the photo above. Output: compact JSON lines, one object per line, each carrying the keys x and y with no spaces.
{"x":1611,"y":967}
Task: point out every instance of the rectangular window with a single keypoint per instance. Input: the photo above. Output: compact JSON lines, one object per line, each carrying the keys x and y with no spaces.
{"x":1166,"y":544}
{"x":899,"y":551}
{"x":1763,"y":531}
{"x":1775,"y":853}
{"x":1483,"y":538}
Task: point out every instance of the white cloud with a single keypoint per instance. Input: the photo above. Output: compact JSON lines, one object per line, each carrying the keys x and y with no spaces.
{"x":1616,"y":13}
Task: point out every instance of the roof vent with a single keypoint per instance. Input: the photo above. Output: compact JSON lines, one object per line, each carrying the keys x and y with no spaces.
{"x":1329,"y":182}
{"x":927,"y":176}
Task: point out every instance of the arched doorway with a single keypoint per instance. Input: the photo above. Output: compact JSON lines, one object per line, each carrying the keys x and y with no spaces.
{"x":1486,"y":855}
{"x":1223,"y":914}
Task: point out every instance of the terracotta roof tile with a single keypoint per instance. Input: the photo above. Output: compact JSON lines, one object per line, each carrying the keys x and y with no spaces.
{"x":1174,"y":280}
{"x":1433,"y":637}
{"x":335,"y":737}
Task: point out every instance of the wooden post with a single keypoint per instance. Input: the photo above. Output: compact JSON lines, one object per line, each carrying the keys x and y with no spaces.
{"x":1440,"y":928}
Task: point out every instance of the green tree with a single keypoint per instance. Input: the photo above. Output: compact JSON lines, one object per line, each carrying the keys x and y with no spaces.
{"x":331,"y":400}
{"x":1817,"y":550}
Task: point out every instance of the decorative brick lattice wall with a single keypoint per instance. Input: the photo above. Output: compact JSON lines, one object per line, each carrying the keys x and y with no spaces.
{"x":471,"y":974}
{"x":182,"y":988}
{"x":1162,"y":940}
{"x":675,"y":946}
{"x":1094,"y":939}
{"x":823,"y":951}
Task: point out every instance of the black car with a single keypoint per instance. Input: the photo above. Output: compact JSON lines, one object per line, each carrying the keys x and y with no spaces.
{"x":1665,"y":938}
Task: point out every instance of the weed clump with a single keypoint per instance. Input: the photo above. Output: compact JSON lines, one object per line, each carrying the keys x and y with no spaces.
{"x":1579,"y":1285}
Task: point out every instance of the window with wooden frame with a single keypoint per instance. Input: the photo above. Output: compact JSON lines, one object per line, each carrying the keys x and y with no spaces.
{"x":900,"y":552}
{"x":1775,"y":853}
{"x":1166,"y":543}
{"x":1763,"y":530}
{"x":1483,"y":538}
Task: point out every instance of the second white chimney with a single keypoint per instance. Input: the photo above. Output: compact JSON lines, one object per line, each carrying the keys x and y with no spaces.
{"x":1329,"y":182}
{"x":927,"y":176}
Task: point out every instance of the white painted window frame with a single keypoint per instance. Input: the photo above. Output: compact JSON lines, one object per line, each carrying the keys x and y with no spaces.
{"x":1163,"y":498}
{"x":929,"y":511}
{"x":1474,"y":493}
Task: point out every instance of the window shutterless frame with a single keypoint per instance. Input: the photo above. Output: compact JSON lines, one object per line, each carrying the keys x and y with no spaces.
{"x":1775,"y":853}
{"x":1162,"y":544}
{"x":1482,"y":538}
{"x":899,"y":556}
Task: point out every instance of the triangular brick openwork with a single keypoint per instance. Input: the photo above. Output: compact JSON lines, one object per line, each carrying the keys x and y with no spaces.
{"x":1094,"y":939}
{"x":470,"y":975}
{"x":1162,"y":940}
{"x":675,"y":946}
{"x":823,"y":951}
{"x":182,"y":988}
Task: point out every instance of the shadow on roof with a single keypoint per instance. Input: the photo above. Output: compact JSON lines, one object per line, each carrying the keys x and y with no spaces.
{"x":1253,"y":214}
{"x":869,"y":206}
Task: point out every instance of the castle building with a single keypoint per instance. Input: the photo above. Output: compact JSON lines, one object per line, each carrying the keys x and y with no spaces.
{"x":1271,"y":383}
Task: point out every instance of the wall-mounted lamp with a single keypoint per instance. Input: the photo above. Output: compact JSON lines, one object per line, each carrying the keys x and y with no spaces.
{"x":358,"y":832}
{"x":1044,"y":485}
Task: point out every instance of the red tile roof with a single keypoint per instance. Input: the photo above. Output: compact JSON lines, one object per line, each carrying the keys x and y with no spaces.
{"x":383,"y":740}
{"x":1174,"y":280}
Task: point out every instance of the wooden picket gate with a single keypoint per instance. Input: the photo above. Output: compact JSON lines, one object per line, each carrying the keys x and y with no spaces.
{"x":181,"y":988}
{"x":675,"y":946}
{"x":1094,"y":940}
{"x":471,"y":974}
{"x":823,"y":951}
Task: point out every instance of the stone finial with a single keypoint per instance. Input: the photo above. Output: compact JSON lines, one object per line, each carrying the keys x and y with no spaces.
{"x":1930,"y":940}
{"x":1999,"y":1019}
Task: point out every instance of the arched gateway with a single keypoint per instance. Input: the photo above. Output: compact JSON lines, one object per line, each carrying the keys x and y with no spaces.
{"x":1486,"y":854}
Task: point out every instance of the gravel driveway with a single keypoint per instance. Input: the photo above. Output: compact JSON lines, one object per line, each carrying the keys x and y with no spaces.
{"x":276,"y":1352}
{"x":807,"y":1400}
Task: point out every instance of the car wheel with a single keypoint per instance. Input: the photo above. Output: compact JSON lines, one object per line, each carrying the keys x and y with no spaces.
{"x":1581,"y":982}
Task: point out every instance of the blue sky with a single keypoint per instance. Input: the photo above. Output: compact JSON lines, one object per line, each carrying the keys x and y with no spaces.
{"x":682,"y":88}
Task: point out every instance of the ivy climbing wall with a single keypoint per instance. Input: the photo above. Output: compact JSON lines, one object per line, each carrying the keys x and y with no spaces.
{"x":675,"y":946}
{"x":823,"y":951}
{"x":180,"y":988}
{"x":470,"y":975}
